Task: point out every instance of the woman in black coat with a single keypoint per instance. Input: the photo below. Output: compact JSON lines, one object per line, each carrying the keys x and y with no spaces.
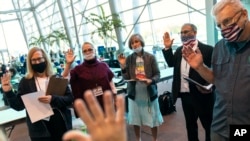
{"x":39,"y":72}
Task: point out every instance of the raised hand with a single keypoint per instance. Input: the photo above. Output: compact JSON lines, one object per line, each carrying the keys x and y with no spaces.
{"x":167,"y":41}
{"x":69,"y":56}
{"x":122,"y":59}
{"x":6,"y":82}
{"x":108,"y":126}
{"x":194,"y":58}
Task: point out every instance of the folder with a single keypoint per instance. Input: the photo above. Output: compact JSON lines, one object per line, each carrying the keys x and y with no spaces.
{"x":57,"y":86}
{"x":206,"y":87}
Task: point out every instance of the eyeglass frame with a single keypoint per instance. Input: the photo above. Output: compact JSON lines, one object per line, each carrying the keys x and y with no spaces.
{"x":185,"y":32}
{"x":39,"y":59}
{"x":87,"y":50}
{"x":229,"y":21}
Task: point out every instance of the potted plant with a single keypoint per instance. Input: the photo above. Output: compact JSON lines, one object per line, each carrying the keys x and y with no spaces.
{"x":52,"y":38}
{"x":105,"y":25}
{"x":56,"y":36}
{"x":34,"y":41}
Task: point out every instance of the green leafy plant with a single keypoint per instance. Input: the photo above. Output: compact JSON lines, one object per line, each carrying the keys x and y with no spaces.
{"x":56,"y":36}
{"x":52,"y":38}
{"x":105,"y":25}
{"x":34,"y":41}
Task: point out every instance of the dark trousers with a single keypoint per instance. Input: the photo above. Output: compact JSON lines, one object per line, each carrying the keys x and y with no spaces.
{"x":197,"y":106}
{"x":56,"y":126}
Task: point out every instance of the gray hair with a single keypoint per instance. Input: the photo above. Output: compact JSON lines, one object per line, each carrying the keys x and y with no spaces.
{"x":139,"y":37}
{"x":235,"y":5}
{"x":194,"y":28}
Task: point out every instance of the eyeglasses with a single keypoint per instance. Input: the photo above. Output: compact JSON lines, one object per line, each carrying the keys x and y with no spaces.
{"x":229,"y":21}
{"x":34,"y":60}
{"x":87,"y":50}
{"x":185,"y":31}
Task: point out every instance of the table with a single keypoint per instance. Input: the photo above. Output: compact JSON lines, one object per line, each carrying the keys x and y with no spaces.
{"x":166,"y":74}
{"x":10,"y":117}
{"x":115,"y":70}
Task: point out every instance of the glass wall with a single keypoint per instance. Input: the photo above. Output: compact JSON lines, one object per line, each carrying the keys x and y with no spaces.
{"x":57,"y":25}
{"x":24,"y":22}
{"x":151,"y":18}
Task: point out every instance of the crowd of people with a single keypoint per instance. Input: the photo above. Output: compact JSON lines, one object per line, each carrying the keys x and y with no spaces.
{"x":94,"y":97}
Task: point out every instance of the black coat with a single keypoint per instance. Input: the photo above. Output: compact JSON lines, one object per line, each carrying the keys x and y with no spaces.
{"x":59,"y":103}
{"x":174,"y":60}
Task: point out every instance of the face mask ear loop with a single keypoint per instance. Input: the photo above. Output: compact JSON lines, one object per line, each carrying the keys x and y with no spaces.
{"x":242,"y":10}
{"x":243,"y":29}
{"x":245,"y":24}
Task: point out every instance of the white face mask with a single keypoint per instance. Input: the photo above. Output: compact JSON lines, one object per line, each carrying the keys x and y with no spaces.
{"x":137,"y":50}
{"x":89,"y":56}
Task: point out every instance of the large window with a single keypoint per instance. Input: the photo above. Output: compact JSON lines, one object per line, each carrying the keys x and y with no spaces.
{"x":27,"y":23}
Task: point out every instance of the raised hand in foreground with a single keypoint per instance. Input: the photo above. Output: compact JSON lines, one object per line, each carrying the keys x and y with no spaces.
{"x":108,"y":126}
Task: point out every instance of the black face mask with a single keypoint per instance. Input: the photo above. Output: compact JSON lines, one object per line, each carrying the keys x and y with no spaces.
{"x":39,"y":67}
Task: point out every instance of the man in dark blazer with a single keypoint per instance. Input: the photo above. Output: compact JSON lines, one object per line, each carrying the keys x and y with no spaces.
{"x":196,"y":102}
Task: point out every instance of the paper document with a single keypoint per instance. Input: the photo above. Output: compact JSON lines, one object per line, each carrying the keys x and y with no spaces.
{"x":207,"y":87}
{"x":129,"y":80}
{"x":36,"y":109}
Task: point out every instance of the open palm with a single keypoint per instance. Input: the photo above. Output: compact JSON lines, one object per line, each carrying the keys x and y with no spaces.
{"x":5,"y":81}
{"x":69,"y":56}
{"x":108,"y":126}
{"x":167,"y":41}
{"x":194,"y":58}
{"x":122,"y":59}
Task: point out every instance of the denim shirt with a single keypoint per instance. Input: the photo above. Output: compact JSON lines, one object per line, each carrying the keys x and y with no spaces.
{"x":231,"y":67}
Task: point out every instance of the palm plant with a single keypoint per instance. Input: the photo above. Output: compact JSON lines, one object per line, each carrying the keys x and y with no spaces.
{"x":53,"y":38}
{"x":38,"y":41}
{"x":56,"y":36}
{"x":105,"y":25}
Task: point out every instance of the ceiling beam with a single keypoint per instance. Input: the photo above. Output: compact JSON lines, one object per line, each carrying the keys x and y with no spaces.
{"x":9,"y":20}
{"x":13,"y":11}
{"x":24,"y":9}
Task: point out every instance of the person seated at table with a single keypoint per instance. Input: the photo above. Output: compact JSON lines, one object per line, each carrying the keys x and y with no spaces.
{"x":109,"y":125}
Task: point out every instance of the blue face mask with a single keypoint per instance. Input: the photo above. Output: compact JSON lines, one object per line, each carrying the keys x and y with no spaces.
{"x":137,"y":50}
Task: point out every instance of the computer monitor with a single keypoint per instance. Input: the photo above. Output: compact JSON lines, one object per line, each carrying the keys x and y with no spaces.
{"x":101,"y":50}
{"x":113,"y":49}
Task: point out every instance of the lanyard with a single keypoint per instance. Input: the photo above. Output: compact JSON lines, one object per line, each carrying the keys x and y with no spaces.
{"x":39,"y":84}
